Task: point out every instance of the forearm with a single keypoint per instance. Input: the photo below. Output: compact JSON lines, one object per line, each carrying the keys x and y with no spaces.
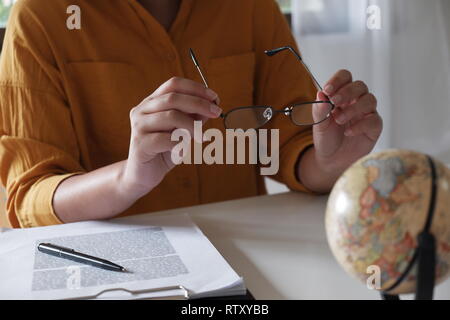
{"x":313,"y":176}
{"x":98,"y":194}
{"x":108,"y":191}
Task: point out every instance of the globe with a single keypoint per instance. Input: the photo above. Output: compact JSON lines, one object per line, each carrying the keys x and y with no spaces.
{"x":376,"y":210}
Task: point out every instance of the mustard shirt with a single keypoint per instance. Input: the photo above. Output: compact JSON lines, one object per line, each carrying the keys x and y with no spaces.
{"x":65,"y":95}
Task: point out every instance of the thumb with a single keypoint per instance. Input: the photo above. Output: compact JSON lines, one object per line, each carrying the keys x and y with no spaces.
{"x":167,"y":157}
{"x":319,"y":113}
{"x":321,"y":96}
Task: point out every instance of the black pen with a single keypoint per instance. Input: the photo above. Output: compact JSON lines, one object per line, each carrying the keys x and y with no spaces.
{"x":71,"y":254}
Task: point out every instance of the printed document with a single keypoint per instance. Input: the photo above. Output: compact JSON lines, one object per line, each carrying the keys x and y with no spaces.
{"x":165,"y":257}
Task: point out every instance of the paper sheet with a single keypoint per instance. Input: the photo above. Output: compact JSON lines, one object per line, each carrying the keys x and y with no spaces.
{"x":158,"y":251}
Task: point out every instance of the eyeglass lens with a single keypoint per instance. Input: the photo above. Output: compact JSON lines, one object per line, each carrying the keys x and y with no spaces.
{"x":248,"y":117}
{"x":311,"y":113}
{"x":256,"y":117}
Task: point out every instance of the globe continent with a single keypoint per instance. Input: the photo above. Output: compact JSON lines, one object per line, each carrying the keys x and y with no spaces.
{"x":376,"y":210}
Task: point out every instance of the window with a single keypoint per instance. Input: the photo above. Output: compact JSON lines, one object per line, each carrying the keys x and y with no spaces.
{"x":323,"y":16}
{"x":5,"y":7}
{"x":285,"y":6}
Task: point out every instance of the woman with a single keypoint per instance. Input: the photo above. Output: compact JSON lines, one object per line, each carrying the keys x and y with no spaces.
{"x":87,"y":113}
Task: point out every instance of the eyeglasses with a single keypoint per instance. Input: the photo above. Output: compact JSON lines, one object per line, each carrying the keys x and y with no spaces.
{"x":254,"y":117}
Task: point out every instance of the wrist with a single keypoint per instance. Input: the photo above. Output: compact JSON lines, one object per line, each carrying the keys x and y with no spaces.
{"x":315,"y":173}
{"x":327,"y":165}
{"x":127,"y":187}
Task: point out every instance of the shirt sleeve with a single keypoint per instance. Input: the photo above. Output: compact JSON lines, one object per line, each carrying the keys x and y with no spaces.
{"x":38,"y":145}
{"x":281,"y":80}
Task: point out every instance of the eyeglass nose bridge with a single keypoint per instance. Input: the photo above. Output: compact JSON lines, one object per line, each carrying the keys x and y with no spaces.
{"x":288,"y":110}
{"x":268,"y":114}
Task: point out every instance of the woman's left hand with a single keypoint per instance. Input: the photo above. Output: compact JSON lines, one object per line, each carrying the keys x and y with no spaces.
{"x":354,"y":127}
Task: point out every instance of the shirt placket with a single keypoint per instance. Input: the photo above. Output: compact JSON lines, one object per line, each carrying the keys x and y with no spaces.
{"x":185,"y":182}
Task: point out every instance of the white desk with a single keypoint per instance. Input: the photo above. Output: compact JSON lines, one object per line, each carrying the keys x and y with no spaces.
{"x":278,"y":244}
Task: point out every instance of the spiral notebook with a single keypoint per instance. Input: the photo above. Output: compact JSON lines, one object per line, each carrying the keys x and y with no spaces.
{"x":168,"y":257}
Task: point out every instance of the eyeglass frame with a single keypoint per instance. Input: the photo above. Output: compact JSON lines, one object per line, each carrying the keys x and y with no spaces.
{"x":286,"y":110}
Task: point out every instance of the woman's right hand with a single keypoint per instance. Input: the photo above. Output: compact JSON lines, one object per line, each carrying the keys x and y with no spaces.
{"x":107,"y":191}
{"x":176,"y":104}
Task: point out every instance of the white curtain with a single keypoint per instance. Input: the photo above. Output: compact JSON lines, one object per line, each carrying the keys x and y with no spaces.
{"x":405,"y":62}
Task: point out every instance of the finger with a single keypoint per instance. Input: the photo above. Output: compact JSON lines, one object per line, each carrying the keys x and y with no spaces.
{"x":155,"y":143}
{"x":181,"y":102}
{"x":371,"y":126}
{"x":340,"y":79}
{"x":323,"y":126}
{"x":203,"y":119}
{"x":167,"y":157}
{"x":187,"y":87}
{"x":165,"y":121}
{"x":349,"y":92}
{"x":365,"y":105}
{"x":321,"y":96}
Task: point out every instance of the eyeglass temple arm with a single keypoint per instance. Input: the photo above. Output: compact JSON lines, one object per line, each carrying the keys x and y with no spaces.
{"x":197,"y":65}
{"x":273,"y":52}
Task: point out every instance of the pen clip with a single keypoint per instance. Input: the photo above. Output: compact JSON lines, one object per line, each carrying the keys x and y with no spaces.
{"x":54,"y":247}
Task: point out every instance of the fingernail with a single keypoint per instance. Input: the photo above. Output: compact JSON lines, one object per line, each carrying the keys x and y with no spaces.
{"x":336,"y":99}
{"x":329,"y":89}
{"x":341,"y":119}
{"x":215,"y":110}
{"x":211,"y":94}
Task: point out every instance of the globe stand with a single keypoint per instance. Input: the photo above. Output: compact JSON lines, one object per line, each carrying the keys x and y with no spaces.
{"x":424,"y":255}
{"x":426,"y":258}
